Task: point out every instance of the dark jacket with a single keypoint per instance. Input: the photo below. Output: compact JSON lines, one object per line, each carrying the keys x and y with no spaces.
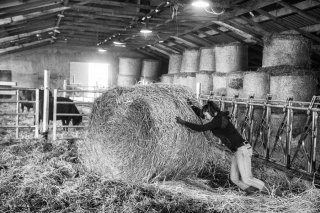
{"x":221,"y":127}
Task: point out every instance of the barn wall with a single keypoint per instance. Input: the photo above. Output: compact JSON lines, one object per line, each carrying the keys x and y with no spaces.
{"x":27,"y":66}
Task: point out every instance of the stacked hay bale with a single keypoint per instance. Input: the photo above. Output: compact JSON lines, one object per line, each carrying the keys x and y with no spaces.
{"x":229,"y":58}
{"x":235,"y":84}
{"x":189,"y":66}
{"x":133,"y":135}
{"x":150,"y":70}
{"x":174,"y":68}
{"x":286,"y":57}
{"x":257,"y":83}
{"x":129,"y":71}
{"x":207,"y":67}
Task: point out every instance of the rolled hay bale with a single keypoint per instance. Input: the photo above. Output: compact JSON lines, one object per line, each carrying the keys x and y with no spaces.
{"x":205,"y":79}
{"x":207,"y":59}
{"x":151,"y":68}
{"x":127,"y":80}
{"x":219,"y":81}
{"x":231,"y":57}
{"x":289,"y":81}
{"x":188,"y":80}
{"x":174,"y":63}
{"x":145,"y":80}
{"x":286,"y":49}
{"x":129,"y":66}
{"x":133,"y":135}
{"x":190,"y":61}
{"x":167,"y":78}
{"x":6,"y":76}
{"x":235,"y":83}
{"x":257,"y":83}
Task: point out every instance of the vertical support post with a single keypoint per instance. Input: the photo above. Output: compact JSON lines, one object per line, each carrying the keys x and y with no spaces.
{"x":36,"y":123}
{"x":54,"y":134}
{"x":198,"y":90}
{"x":314,"y":133}
{"x":46,"y":86}
{"x":17,"y":113}
{"x":268,"y":145}
{"x":222,"y":103}
{"x":289,"y":135}
{"x":64,"y":87}
{"x":250,"y":120}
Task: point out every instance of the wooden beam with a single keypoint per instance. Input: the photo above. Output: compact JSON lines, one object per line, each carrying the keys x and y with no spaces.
{"x":159,"y":50}
{"x":208,"y":36}
{"x":186,"y":41}
{"x":198,"y":39}
{"x":155,"y":52}
{"x":148,"y":53}
{"x":23,"y":35}
{"x":24,"y":45}
{"x":300,"y":12}
{"x":30,"y":16}
{"x":121,"y":4}
{"x":27,"y":6}
{"x":258,"y":27}
{"x":226,"y":34}
{"x":167,"y":48}
{"x":282,"y":23}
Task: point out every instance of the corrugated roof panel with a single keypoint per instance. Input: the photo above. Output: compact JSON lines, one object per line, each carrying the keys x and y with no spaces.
{"x":271,"y":26}
{"x":297,"y":21}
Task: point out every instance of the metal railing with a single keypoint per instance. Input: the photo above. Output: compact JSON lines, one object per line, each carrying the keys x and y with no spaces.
{"x":77,"y":103}
{"x":258,"y":131}
{"x":17,"y":114}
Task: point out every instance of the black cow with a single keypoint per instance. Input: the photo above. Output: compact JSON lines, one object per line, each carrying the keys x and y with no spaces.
{"x":62,"y":109}
{"x":30,"y":95}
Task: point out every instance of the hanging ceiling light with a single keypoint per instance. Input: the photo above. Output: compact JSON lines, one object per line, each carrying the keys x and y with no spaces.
{"x":118,"y":43}
{"x":101,"y":50}
{"x":145,"y":29}
{"x":200,"y":3}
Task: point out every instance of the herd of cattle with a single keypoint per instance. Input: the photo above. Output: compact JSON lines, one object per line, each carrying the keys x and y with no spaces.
{"x":62,"y":108}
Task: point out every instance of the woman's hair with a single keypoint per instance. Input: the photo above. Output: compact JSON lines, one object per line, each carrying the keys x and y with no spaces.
{"x":211,"y":107}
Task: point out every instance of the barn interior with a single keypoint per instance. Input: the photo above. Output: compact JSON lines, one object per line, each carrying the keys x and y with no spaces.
{"x":140,"y":53}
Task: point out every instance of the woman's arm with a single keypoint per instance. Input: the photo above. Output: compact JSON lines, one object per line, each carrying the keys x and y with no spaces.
{"x":214,"y":124}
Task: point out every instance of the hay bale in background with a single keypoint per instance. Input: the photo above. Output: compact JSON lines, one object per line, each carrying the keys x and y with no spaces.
{"x":289,"y":81}
{"x":130,"y":66}
{"x":219,"y":83}
{"x":207,"y":59}
{"x":133,"y":135}
{"x":231,"y":57}
{"x":188,"y":80}
{"x":205,"y":78}
{"x":190,"y":61}
{"x":257,"y":83}
{"x":286,"y":49}
{"x":174,"y":63}
{"x":150,"y":69}
{"x":235,"y":83}
{"x":167,"y":78}
{"x":127,"y":80}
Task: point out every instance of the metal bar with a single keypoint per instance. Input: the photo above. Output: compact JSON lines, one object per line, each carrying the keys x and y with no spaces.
{"x":268,"y":144}
{"x":314,"y":135}
{"x":14,"y":127}
{"x":54,"y":133}
{"x":289,"y":136}
{"x":46,"y":101}
{"x":90,"y":91}
{"x":67,"y":114}
{"x":36,"y":122}
{"x":17,"y":116}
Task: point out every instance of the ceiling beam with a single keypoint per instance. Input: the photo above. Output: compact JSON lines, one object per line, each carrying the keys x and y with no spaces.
{"x":27,"y":6}
{"x":161,"y":50}
{"x":24,"y":45}
{"x":144,"y":52}
{"x":166,"y":48}
{"x":198,"y":39}
{"x":23,"y":35}
{"x":121,"y":4}
{"x":283,"y":24}
{"x":226,"y":34}
{"x":186,"y":41}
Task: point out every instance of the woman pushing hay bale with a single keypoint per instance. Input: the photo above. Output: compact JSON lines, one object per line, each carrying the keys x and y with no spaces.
{"x":133,"y":135}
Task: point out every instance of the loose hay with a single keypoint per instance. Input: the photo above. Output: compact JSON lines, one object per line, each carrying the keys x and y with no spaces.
{"x":133,"y":135}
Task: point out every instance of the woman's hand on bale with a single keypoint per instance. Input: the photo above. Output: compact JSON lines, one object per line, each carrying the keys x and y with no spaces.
{"x":179,"y":120}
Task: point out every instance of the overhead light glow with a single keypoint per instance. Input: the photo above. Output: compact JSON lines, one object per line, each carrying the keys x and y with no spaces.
{"x":200,"y":3}
{"x":145,"y":31}
{"x":102,"y":50}
{"x":118,"y":43}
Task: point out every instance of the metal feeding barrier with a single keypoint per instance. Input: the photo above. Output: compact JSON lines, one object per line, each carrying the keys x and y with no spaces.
{"x":17,"y":126}
{"x":258,"y":131}
{"x":75,"y":102}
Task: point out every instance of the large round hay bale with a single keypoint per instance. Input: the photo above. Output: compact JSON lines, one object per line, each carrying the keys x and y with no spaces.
{"x":150,"y":68}
{"x":129,"y":66}
{"x":288,"y":81}
{"x":6,"y":76}
{"x":127,"y":80}
{"x":207,"y":59}
{"x":231,"y":57}
{"x":133,"y":135}
{"x":188,"y":80}
{"x":219,"y":83}
{"x":286,"y":49}
{"x":167,"y":78}
{"x":174,"y":63}
{"x":257,"y":83}
{"x":145,"y":80}
{"x":205,"y":79}
{"x":190,"y":61}
{"x":235,"y":83}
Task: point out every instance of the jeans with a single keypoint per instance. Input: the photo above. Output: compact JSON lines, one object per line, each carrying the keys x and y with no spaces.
{"x":240,"y":173}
